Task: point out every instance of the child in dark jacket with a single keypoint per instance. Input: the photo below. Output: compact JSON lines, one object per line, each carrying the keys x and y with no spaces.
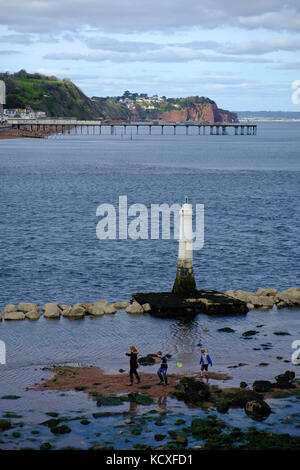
{"x":162,"y":371}
{"x":133,"y":364}
{"x":205,"y":360}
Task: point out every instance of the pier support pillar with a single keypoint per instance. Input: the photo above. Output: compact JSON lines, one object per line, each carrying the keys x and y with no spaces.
{"x":211,"y":130}
{"x":174,"y":130}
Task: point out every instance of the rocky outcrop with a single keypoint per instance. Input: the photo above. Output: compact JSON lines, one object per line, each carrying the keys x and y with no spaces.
{"x":135,"y":307}
{"x":259,"y":410}
{"x":10,"y":308}
{"x":14,"y":315}
{"x":26,"y":307}
{"x":33,"y":315}
{"x":96,"y":309}
{"x":120,"y":305}
{"x":265,"y":299}
{"x":52,"y":310}
{"x":200,"y":112}
{"x":170,"y":304}
{"x":73,"y":312}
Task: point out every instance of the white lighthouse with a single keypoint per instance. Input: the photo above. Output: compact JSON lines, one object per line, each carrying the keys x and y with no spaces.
{"x":185,"y":282}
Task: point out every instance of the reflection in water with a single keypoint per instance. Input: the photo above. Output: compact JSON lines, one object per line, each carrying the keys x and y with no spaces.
{"x":162,"y":402}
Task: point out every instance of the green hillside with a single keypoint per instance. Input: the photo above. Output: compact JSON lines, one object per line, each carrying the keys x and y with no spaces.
{"x":55,"y":97}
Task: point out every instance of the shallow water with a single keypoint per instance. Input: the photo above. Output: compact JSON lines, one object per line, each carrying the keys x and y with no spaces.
{"x":50,"y":190}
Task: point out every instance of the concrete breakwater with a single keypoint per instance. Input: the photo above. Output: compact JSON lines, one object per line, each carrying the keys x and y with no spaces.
{"x":263,"y":299}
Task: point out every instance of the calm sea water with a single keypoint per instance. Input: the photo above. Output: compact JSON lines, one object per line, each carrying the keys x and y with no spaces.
{"x":50,"y":189}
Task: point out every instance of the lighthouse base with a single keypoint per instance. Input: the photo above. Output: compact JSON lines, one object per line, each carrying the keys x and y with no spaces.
{"x":184,"y":281}
{"x":172,"y":305}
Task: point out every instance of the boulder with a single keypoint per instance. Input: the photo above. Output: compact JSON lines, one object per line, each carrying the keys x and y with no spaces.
{"x":135,"y":307}
{"x":285,"y":380}
{"x":27,"y":307}
{"x":257,"y":409}
{"x":14,"y":315}
{"x":52,"y":310}
{"x":88,"y":307}
{"x":262,"y":386}
{"x":230,"y":292}
{"x":243,"y":295}
{"x":250,"y":306}
{"x":81,"y":305}
{"x":250,"y":333}
{"x":109,"y":308}
{"x":97,"y":308}
{"x":120,"y":305}
{"x":261,"y":301}
{"x":147,"y":360}
{"x":226,"y":329}
{"x":73,"y":312}
{"x":288,"y":298}
{"x":33,"y":314}
{"x":271,"y":292}
{"x":195,"y":391}
{"x":146,"y":307}
{"x":10,"y":308}
{"x":241,"y":397}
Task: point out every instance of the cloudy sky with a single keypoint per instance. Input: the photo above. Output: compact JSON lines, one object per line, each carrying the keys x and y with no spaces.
{"x":244,"y":54}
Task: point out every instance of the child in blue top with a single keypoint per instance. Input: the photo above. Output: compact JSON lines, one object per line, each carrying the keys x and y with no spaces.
{"x":205,"y":360}
{"x":162,"y":371}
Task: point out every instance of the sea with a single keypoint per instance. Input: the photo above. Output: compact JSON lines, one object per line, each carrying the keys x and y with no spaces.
{"x":50,"y":191}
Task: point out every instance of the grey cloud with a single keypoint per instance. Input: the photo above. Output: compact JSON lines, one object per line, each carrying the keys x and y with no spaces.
{"x":110,"y":44}
{"x":198,"y":44}
{"x":139,"y":15}
{"x":161,"y":56}
{"x":288,"y":66}
{"x":261,"y":47}
{"x":5,"y":52}
{"x":17,"y":39}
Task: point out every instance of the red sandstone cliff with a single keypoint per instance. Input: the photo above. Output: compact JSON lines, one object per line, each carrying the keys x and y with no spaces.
{"x":200,"y":112}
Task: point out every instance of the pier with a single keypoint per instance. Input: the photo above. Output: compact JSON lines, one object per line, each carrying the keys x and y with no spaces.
{"x":98,"y":127}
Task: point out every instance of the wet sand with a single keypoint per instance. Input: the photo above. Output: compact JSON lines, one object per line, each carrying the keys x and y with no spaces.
{"x":94,"y":380}
{"x":18,"y":133}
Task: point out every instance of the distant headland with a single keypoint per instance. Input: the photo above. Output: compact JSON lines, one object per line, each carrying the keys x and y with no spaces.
{"x":26,"y":92}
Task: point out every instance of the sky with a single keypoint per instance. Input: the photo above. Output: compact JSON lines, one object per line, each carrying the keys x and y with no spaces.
{"x":245,"y":55}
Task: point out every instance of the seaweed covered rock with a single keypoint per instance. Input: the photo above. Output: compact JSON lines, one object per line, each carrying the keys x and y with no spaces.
{"x":4,"y":424}
{"x":257,"y":409}
{"x":147,"y":360}
{"x":285,"y":380}
{"x":241,"y":397}
{"x":204,"y":428}
{"x":262,"y":386}
{"x":194,"y":391}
